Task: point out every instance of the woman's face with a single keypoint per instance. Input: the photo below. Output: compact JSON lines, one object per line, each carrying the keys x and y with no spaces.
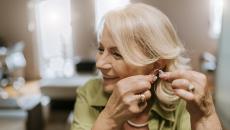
{"x":112,"y":65}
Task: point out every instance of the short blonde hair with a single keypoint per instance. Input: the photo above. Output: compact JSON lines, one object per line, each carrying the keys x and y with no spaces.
{"x":142,"y":28}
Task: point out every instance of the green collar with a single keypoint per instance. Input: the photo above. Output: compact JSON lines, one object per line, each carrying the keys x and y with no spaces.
{"x":100,"y":99}
{"x":170,"y":116}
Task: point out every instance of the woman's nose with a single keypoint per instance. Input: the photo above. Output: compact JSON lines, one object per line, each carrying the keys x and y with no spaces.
{"x":103,"y":62}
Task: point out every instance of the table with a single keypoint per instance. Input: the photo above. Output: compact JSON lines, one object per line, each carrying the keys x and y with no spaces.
{"x":28,"y":98}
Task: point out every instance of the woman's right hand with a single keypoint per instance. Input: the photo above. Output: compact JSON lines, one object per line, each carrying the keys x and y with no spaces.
{"x":124,"y":102}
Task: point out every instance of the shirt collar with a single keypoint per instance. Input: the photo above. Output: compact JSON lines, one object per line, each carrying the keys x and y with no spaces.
{"x":100,"y":99}
{"x":170,"y":116}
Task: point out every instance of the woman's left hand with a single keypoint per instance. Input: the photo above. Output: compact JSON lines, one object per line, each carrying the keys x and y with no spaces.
{"x":192,"y":86}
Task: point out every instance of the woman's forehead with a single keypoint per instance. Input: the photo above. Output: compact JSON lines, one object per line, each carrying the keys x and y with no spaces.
{"x":106,"y":39}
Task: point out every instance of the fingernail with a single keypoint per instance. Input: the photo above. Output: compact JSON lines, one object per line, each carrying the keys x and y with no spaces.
{"x":154,"y":78}
{"x":161,"y":73}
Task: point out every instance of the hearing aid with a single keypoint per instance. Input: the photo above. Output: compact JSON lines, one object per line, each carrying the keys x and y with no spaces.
{"x":158,"y":72}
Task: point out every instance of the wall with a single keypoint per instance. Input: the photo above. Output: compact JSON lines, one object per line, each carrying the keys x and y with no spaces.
{"x":15,"y":17}
{"x":83,"y":23}
{"x":14,"y":20}
{"x":223,"y":71}
{"x":191,"y":20}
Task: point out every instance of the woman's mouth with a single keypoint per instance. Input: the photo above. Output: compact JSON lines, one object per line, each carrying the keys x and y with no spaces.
{"x":109,"y":78}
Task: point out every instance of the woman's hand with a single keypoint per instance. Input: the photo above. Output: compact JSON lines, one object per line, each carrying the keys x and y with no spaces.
{"x":124,"y":102}
{"x":192,"y":86}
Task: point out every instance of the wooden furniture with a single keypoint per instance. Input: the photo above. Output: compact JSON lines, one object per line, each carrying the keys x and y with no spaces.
{"x":28,"y":98}
{"x":29,"y":89}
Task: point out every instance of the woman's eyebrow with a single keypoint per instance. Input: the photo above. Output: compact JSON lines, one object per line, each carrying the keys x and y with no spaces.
{"x":114,"y":49}
{"x":100,"y":44}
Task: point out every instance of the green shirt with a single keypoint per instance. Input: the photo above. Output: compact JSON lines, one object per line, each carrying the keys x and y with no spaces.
{"x":91,"y":100}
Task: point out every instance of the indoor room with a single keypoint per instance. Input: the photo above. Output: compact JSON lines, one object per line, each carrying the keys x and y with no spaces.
{"x":50,"y":49}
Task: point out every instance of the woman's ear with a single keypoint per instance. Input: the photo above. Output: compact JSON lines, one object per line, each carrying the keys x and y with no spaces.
{"x":160,"y":64}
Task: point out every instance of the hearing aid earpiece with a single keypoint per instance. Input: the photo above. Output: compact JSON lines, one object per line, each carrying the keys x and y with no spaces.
{"x":161,"y":72}
{"x":157,"y":72}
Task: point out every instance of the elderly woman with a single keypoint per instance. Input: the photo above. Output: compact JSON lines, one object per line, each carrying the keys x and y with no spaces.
{"x":146,"y":82}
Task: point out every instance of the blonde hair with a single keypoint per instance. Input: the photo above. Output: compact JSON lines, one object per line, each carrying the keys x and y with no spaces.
{"x":142,"y":28}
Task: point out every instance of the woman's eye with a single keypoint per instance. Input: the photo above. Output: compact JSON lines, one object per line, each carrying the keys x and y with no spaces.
{"x":100,"y":50}
{"x":117,"y":55}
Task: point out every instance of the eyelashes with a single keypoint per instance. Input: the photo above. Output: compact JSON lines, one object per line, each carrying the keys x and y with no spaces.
{"x":100,"y":49}
{"x":114,"y":53}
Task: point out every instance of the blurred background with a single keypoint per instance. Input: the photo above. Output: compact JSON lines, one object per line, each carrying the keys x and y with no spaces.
{"x":47,"y":50}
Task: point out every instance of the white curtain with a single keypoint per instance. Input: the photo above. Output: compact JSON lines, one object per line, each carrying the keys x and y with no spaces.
{"x":54,"y":35}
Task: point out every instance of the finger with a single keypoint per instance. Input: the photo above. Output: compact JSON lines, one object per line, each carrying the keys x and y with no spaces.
{"x":141,"y":104}
{"x":142,"y":107}
{"x":129,"y":99}
{"x":180,"y":84}
{"x":147,"y":94}
{"x":138,"y":108}
{"x":143,"y":84}
{"x":178,"y":74}
{"x":151,"y":78}
{"x":186,"y":95}
{"x":156,"y":72}
{"x":141,"y":100}
{"x":140,"y":86}
{"x":134,"y":102}
{"x":143,"y":97}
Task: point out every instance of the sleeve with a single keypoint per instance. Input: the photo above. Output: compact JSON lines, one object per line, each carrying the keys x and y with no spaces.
{"x":83,"y":113}
{"x":183,"y":121}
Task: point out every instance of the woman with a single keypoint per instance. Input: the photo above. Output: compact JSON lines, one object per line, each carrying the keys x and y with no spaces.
{"x":145,"y":79}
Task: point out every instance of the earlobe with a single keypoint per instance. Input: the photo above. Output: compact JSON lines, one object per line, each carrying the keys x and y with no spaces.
{"x":160,"y":64}
{"x":158,"y":67}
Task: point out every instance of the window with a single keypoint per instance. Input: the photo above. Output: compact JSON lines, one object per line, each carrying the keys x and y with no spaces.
{"x":103,"y":6}
{"x":216,"y":11}
{"x":54,"y":34}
